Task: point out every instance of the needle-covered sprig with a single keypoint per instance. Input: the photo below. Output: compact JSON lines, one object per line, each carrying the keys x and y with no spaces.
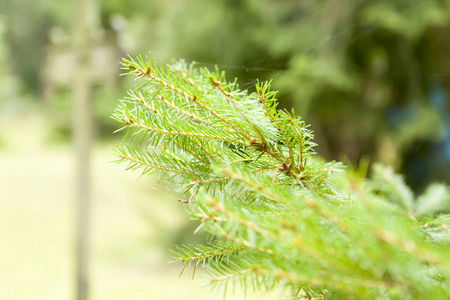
{"x":279,"y":216}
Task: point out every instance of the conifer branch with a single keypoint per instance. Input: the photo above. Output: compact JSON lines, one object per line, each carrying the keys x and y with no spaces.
{"x":218,"y":207}
{"x":229,"y":98}
{"x":281,"y":216}
{"x":210,"y":256}
{"x":191,"y":98}
{"x":140,"y":162}
{"x":257,"y":187}
{"x":299,"y":138}
{"x":145,"y":104}
{"x":245,"y":243}
{"x":277,"y":124}
{"x":210,"y":180}
{"x":179,"y":110}
{"x":194,"y":153}
{"x":131,"y":121}
{"x":407,"y":246}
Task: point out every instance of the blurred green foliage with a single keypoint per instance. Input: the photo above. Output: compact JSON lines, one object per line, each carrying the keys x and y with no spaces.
{"x":7,"y":81}
{"x":28,"y":23}
{"x":372,"y":77}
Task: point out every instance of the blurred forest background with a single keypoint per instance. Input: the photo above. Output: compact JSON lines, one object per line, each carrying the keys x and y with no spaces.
{"x":372,"y":77}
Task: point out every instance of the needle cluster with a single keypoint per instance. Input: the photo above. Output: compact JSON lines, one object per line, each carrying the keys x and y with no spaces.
{"x":279,"y":216}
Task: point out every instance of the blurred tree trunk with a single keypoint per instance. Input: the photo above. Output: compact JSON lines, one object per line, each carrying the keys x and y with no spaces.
{"x":82,"y":129}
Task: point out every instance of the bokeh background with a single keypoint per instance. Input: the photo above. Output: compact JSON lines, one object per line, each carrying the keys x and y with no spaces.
{"x":372,"y":77}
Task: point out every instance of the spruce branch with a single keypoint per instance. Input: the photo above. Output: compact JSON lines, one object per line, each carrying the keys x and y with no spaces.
{"x":200,"y":253}
{"x":281,"y":217}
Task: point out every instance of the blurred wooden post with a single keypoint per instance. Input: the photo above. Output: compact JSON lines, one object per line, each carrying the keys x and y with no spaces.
{"x":82,"y":130}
